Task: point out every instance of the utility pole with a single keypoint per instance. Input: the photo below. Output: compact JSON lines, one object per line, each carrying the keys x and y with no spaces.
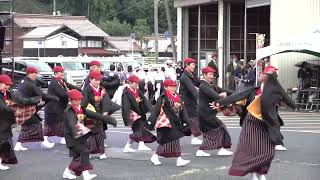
{"x":54,"y":8}
{"x":173,"y":46}
{"x":156,"y":30}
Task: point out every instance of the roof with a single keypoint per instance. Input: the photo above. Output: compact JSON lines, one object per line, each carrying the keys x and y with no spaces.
{"x":79,"y":24}
{"x":123,"y":44}
{"x":41,"y":32}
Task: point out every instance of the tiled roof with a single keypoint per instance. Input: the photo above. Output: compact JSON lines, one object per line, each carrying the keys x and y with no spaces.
{"x":123,"y":44}
{"x":41,"y":32}
{"x":79,"y":24}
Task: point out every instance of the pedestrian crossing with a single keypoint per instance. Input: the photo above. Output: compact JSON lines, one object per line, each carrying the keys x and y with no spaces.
{"x":294,"y":122}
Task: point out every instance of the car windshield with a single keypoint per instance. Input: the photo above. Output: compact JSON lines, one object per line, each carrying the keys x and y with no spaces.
{"x":73,"y":66}
{"x":41,"y":66}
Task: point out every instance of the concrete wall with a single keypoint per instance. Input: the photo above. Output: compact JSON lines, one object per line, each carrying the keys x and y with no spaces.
{"x":292,"y":19}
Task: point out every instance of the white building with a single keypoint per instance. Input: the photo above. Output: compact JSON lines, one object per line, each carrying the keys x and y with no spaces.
{"x":205,"y":26}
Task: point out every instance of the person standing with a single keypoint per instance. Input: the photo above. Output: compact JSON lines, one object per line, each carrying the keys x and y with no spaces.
{"x":170,"y":71}
{"x":8,"y":115}
{"x":260,"y":125}
{"x":31,"y":130}
{"x":231,"y":73}
{"x":189,"y":92}
{"x":215,"y":133}
{"x":111,"y":82}
{"x":134,"y":108}
{"x":53,"y":111}
{"x":170,"y":118}
{"x":250,"y":78}
{"x":213,"y":64}
{"x":96,"y":98}
{"x":77,"y":134}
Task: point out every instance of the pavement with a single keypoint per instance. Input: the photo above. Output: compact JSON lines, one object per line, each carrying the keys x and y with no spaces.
{"x":300,"y":162}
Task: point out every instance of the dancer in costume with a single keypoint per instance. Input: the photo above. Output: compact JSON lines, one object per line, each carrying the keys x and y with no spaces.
{"x":215,"y":133}
{"x":260,"y":125}
{"x":134,"y":108}
{"x":77,"y":134}
{"x":170,"y":118}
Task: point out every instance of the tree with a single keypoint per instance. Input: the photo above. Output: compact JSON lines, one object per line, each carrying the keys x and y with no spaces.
{"x":115,"y":27}
{"x":141,"y":29}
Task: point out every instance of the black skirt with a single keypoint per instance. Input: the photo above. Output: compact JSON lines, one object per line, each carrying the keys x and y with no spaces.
{"x":140,"y":133}
{"x":170,"y":149}
{"x":54,"y":129}
{"x":80,"y":159}
{"x":216,"y":138}
{"x":31,"y":133}
{"x":255,"y":150}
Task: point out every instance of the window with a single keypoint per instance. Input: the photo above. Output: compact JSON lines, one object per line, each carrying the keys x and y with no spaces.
{"x":72,"y":66}
{"x":94,"y":44}
{"x":20,"y":67}
{"x":40,"y":65}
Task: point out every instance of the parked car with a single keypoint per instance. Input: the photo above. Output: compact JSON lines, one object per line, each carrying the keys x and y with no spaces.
{"x":21,"y":64}
{"x":73,"y":69}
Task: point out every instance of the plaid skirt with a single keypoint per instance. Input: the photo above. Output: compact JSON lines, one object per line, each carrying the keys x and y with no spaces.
{"x":255,"y":150}
{"x":80,"y":159}
{"x":96,"y":142}
{"x":140,"y":133}
{"x":195,"y":127}
{"x":216,"y":138}
{"x":171,"y":149}
{"x":55,"y":129}
{"x":7,"y":153}
{"x":31,"y":133}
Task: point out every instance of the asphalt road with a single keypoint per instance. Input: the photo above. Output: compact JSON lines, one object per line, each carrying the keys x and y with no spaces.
{"x":300,"y":162}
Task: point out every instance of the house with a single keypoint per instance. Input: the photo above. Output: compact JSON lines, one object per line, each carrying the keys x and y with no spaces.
{"x":164,"y":45}
{"x":124,"y":46}
{"x":40,"y":27}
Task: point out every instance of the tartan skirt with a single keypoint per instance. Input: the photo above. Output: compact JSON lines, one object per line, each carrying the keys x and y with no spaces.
{"x":80,"y":159}
{"x":170,"y":149}
{"x":7,"y":153}
{"x":255,"y":150}
{"x":140,"y":133}
{"x":216,"y":138}
{"x":54,"y":129}
{"x":96,"y":142}
{"x":195,"y":127}
{"x":31,"y":133}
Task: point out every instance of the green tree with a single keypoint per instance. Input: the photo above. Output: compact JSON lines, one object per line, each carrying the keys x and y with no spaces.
{"x":141,"y":29}
{"x":115,"y":27}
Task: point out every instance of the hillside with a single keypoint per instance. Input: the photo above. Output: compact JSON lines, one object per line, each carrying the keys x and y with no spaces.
{"x":116,"y":17}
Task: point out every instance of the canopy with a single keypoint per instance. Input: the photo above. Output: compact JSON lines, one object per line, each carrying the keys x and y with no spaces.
{"x":309,"y":44}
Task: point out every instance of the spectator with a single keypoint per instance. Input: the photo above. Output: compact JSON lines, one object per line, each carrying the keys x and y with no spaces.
{"x":213,"y":64}
{"x":179,"y":70}
{"x":171,"y":72}
{"x":250,"y":78}
{"x":304,"y":76}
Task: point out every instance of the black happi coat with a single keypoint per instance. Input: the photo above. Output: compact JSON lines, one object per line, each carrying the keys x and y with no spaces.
{"x":189,"y":93}
{"x":71,"y":120}
{"x":208,"y":93}
{"x":7,"y":114}
{"x":54,"y":110}
{"x":111,"y":84}
{"x":129,"y":103}
{"x":28,"y":89}
{"x":272,"y":95}
{"x":178,"y":120}
{"x":105,"y":105}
